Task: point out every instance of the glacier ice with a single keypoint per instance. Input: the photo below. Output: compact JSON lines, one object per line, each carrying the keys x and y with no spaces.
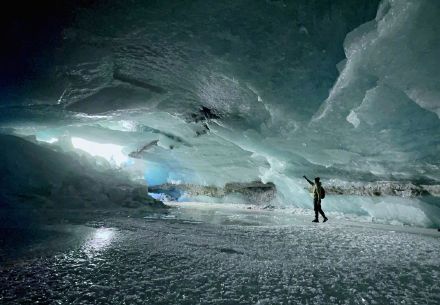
{"x":35,"y":176}
{"x":348,"y":91}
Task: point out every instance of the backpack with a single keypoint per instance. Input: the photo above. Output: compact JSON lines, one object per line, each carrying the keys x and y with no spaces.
{"x":322,"y":192}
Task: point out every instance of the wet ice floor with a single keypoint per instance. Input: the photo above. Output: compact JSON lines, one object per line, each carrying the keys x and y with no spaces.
{"x":207,"y":254}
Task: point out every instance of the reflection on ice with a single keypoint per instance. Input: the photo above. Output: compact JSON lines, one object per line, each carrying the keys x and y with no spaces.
{"x":99,"y":240}
{"x":236,"y":254}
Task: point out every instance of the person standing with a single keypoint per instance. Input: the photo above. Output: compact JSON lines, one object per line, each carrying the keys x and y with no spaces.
{"x":317,"y":193}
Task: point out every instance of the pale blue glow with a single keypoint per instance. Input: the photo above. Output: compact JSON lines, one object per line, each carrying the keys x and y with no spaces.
{"x":156,"y":173}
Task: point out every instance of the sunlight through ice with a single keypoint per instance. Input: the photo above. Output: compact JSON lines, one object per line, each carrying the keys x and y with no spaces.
{"x":111,"y":152}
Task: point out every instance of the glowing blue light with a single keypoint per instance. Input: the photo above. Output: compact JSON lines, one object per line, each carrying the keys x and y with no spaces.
{"x":156,"y":174}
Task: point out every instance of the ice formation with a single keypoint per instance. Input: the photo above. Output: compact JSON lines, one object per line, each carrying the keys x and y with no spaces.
{"x":35,"y":176}
{"x":239,"y":91}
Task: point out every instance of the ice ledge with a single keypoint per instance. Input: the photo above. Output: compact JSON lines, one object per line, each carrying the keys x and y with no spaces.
{"x":381,"y":188}
{"x":255,"y":191}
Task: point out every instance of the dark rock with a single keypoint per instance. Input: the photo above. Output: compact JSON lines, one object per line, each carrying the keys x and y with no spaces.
{"x":204,"y":114}
{"x":230,"y":251}
{"x":208,"y":113}
{"x":380,"y":188}
{"x":254,"y":192}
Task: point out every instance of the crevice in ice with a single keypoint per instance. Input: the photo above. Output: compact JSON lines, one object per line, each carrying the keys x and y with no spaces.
{"x":137,"y":83}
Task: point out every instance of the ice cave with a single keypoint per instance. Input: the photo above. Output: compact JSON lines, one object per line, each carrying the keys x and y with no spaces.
{"x":154,"y":152}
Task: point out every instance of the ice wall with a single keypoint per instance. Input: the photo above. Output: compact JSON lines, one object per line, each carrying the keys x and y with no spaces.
{"x":388,"y":90}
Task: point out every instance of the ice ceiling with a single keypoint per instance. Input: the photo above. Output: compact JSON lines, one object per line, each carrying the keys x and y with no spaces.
{"x":246,"y":90}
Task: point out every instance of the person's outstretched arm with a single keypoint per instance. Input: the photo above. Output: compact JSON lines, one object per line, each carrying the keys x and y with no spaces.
{"x":308,"y":180}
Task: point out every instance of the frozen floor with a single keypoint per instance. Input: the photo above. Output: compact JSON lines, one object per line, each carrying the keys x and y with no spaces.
{"x":209,"y":254}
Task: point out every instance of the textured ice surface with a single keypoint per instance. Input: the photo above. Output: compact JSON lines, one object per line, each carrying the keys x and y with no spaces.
{"x":227,"y":255}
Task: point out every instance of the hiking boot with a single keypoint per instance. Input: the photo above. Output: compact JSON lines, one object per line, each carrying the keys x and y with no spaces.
{"x":325,"y":219}
{"x":316,"y":220}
